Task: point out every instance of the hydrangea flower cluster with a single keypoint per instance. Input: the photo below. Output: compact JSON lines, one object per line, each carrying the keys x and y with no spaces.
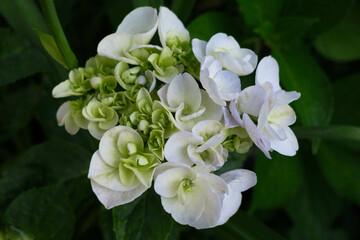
{"x":172,"y":113}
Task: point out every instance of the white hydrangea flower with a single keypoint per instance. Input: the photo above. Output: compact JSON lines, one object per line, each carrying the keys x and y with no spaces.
{"x":267,"y":102}
{"x":71,"y":118}
{"x":225,"y":48}
{"x":202,"y":146}
{"x":170,"y":26}
{"x":122,"y":169}
{"x":221,"y":85}
{"x":201,"y":199}
{"x":190,"y":103}
{"x":101,"y":118}
{"x":136,"y":30}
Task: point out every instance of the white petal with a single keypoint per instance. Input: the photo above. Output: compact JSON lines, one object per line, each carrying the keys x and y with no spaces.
{"x":212,"y":65}
{"x":256,"y":136}
{"x":110,"y":198}
{"x":114,"y":45}
{"x":238,"y":181}
{"x":198,"y":47}
{"x":70,"y":125}
{"x":282,"y":97}
{"x":251,"y":99}
{"x":236,"y":65}
{"x":282,"y":115}
{"x":211,"y":88}
{"x":95,"y":130}
{"x":228,"y":85}
{"x":229,"y":120}
{"x":193,"y":206}
{"x":142,"y":23}
{"x":106,"y":175}
{"x":246,"y":55}
{"x":268,"y":71}
{"x":63,"y":90}
{"x":217,"y":184}
{"x":62,"y":112}
{"x":167,"y":183}
{"x":287,"y":147}
{"x":221,"y":41}
{"x":211,"y":213}
{"x":184,"y":89}
{"x":175,"y":149}
{"x":212,"y":110}
{"x":206,"y":129}
{"x":168,"y":21}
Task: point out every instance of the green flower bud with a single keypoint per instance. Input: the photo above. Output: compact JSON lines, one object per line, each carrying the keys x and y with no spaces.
{"x":100,"y":66}
{"x":156,"y":143}
{"x":108,"y":85}
{"x":161,"y":119}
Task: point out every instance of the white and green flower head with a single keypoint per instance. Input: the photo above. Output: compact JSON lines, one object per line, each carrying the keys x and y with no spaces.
{"x":117,"y":101}
{"x":133,"y":79}
{"x":237,"y":140}
{"x":240,"y":61}
{"x":199,"y":198}
{"x":78,"y":84}
{"x":100,"y":66}
{"x":190,"y":103}
{"x":202,"y":146}
{"x":162,"y":119}
{"x":137,"y":29}
{"x":101,"y":118}
{"x":269,"y":105}
{"x":123,"y":168}
{"x":70,"y":115}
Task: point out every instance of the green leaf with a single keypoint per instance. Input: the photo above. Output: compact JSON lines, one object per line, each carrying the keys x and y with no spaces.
{"x":18,"y":58}
{"x":326,"y":12}
{"x":143,"y":218}
{"x":341,"y":167}
{"x":18,"y":106}
{"x":248,"y":227}
{"x":51,"y":47}
{"x":152,"y":3}
{"x":341,"y":43}
{"x":258,"y":12}
{"x":346,"y":94}
{"x":48,"y":163}
{"x":279,"y":177}
{"x":210,"y":23}
{"x":299,"y":71}
{"x":106,"y":224}
{"x":23,"y":17}
{"x":44,"y":213}
{"x":285,"y":31}
{"x":183,"y":8}
{"x":329,"y":132}
{"x":314,"y":209}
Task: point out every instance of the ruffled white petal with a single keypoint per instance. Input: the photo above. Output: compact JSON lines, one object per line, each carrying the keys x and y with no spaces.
{"x":268,"y":71}
{"x":199,"y":49}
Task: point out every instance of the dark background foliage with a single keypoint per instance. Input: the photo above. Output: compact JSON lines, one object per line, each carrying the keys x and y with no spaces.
{"x":314,"y":195}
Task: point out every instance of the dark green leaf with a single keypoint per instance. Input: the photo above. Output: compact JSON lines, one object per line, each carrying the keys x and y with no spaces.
{"x":210,"y":23}
{"x":346,"y":95}
{"x":278,"y":179}
{"x":285,"y":31}
{"x":23,"y":17}
{"x":44,"y":213}
{"x":142,"y":219}
{"x":106,"y":224}
{"x":18,"y":58}
{"x":341,"y":167}
{"x":48,"y":163}
{"x":315,"y":207}
{"x":342,"y":42}
{"x":183,"y":8}
{"x":329,"y":132}
{"x":51,"y":47}
{"x":242,"y":224}
{"x":18,"y":106}
{"x":152,"y":3}
{"x":234,"y":161}
{"x":326,"y":12}
{"x":258,"y":12}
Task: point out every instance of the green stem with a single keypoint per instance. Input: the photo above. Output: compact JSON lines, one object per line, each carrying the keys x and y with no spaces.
{"x":49,"y":11}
